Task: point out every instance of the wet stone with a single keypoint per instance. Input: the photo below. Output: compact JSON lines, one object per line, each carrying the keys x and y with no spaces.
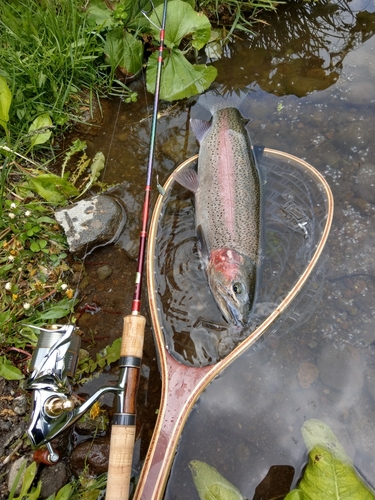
{"x":307,"y":374}
{"x":104,"y":272}
{"x":340,"y":368}
{"x":53,"y":478}
{"x":20,"y":405}
{"x":93,"y":454}
{"x":365,"y":186}
{"x":92,"y":223}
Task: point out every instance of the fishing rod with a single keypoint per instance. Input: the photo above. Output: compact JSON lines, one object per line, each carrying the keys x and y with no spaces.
{"x":54,"y":407}
{"x":124,"y":421}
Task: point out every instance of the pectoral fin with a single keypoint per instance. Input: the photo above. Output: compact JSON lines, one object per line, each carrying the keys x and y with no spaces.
{"x":187,"y":178}
{"x":200,"y":128}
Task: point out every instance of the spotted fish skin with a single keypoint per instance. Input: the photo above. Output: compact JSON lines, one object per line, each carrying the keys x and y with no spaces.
{"x":227,"y":213}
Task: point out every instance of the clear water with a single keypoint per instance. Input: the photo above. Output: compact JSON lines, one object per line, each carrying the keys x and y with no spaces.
{"x":309,"y":78}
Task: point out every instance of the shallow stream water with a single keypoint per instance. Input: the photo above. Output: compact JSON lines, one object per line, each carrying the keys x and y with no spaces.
{"x":307,"y":83}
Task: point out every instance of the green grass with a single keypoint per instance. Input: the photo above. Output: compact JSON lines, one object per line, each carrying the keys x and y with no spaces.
{"x":52,"y":60}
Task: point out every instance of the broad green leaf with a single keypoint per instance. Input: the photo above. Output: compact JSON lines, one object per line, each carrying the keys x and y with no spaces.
{"x":8,"y":371}
{"x":52,"y":188}
{"x":211,"y":485}
{"x":124,"y":51}
{"x":179,"y":78}
{"x":40,"y":130}
{"x":98,"y":12}
{"x":317,"y":433}
{"x":329,"y":478}
{"x":5,"y":102}
{"x":330,"y":473}
{"x":96,"y":167}
{"x":182,"y":21}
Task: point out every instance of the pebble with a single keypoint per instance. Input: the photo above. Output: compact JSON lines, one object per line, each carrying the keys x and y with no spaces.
{"x":104,"y":272}
{"x":20,"y":405}
{"x":92,"y":454}
{"x":53,"y":478}
{"x":340,"y":368}
{"x":307,"y":374}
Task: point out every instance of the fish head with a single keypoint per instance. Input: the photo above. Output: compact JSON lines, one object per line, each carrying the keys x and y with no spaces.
{"x":232,"y":279}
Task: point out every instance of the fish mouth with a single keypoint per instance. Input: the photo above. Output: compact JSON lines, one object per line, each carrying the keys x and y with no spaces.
{"x":230,"y":307}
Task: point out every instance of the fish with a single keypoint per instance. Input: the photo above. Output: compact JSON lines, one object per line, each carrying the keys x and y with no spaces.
{"x":227,"y":189}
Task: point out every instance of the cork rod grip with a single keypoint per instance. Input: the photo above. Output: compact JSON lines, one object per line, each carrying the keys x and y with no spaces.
{"x":132,"y":336}
{"x":124,"y":426}
{"x":120,"y":462}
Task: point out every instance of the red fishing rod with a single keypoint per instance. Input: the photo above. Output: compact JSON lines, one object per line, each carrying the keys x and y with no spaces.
{"x":124,"y":420}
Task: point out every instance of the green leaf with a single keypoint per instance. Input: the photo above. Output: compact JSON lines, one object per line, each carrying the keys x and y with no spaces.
{"x":96,"y":167}
{"x":64,"y":492}
{"x":330,"y":473}
{"x":5,"y":102}
{"x":100,"y":13}
{"x":211,"y":485}
{"x":8,"y":371}
{"x":182,"y":21}
{"x":124,"y":51}
{"x":28,"y":479}
{"x":40,"y":130}
{"x":52,"y":188}
{"x":329,"y":478}
{"x":179,"y":79}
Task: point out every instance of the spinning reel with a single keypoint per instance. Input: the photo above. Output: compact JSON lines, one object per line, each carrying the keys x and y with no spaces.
{"x":54,"y":407}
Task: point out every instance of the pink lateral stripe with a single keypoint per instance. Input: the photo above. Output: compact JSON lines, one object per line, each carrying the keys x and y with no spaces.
{"x":226,"y":178}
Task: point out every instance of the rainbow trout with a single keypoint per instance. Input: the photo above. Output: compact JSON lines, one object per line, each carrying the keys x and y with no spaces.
{"x":227,"y":211}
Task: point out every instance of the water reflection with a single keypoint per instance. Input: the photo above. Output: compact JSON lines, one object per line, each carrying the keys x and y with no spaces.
{"x":249,"y":419}
{"x":304,"y":53}
{"x":295,"y":212}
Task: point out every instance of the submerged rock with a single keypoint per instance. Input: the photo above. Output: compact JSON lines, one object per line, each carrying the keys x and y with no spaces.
{"x":92,"y":223}
{"x":93,"y":454}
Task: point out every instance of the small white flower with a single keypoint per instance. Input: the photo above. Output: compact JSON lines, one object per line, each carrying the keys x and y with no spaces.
{"x":11,"y":258}
{"x":11,"y":215}
{"x":64,"y":286}
{"x":26,"y":306}
{"x":13,"y":205}
{"x":20,"y":269}
{"x":27,"y":213}
{"x":8,"y":286}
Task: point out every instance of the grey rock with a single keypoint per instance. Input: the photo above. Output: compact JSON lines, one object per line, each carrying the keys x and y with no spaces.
{"x":53,"y":478}
{"x":365,"y":186}
{"x":340,"y":368}
{"x":92,"y":223}
{"x":20,"y":405}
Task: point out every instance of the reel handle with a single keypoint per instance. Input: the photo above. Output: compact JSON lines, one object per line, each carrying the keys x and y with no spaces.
{"x":124,"y":422}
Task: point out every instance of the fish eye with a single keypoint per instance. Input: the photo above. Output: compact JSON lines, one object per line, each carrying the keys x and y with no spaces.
{"x":238,"y":288}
